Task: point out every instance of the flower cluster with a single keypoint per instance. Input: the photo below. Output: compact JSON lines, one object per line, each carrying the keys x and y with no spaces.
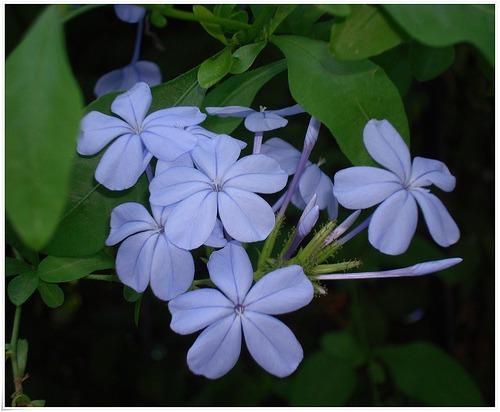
{"x":204,"y":193}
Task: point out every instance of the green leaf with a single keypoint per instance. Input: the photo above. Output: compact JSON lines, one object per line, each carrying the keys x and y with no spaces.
{"x":365,"y":32}
{"x":223,"y":10}
{"x":62,"y":269}
{"x":43,"y":104}
{"x":52,"y":294}
{"x":239,"y":90}
{"x":344,"y":95}
{"x":244,"y":57}
{"x":12,"y":238}
{"x":215,"y":68}
{"x":130,"y":294}
{"x":429,"y":62}
{"x":301,"y":20}
{"x":323,"y":380}
{"x":343,"y":346}
{"x":22,"y":287}
{"x":424,"y":372}
{"x":16,"y":266}
{"x":137,"y":310}
{"x":22,"y":356}
{"x":396,"y":64}
{"x":439,"y":25}
{"x":377,"y":372}
{"x":85,"y":224}
{"x":158,"y":20}
{"x":341,"y":10}
{"x":213,"y":29}
{"x":282,"y":12}
{"x":37,"y":403}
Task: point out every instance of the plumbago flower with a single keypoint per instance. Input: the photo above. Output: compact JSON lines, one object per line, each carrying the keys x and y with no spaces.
{"x":399,"y":189}
{"x":220,"y":184}
{"x":146,"y":255}
{"x":129,"y":13}
{"x":239,"y":306}
{"x":312,"y":182}
{"x":137,"y":138}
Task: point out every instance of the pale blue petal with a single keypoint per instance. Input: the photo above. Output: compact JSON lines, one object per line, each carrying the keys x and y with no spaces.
{"x":176,"y":184}
{"x":425,"y":172}
{"x":217,"y":349}
{"x":179,"y":117}
{"x":200,"y":131}
{"x":283,"y":152}
{"x":256,"y":173}
{"x":192,"y":220}
{"x":314,"y":181}
{"x":168,"y":143}
{"x":387,"y":148}
{"x":172,"y":270}
{"x":288,"y":111}
{"x":332,"y":207}
{"x":230,"y":111}
{"x":133,"y":105}
{"x":264,"y":121}
{"x":133,"y":260}
{"x":281,"y":291}
{"x":161,"y":213}
{"x":442,"y":227}
{"x":147,"y":72}
{"x":216,"y":238}
{"x":230,"y":269}
{"x":361,"y":187}
{"x":297,"y":200}
{"x":245,"y":216}
{"x":272,"y":344}
{"x":215,"y":156}
{"x":197,"y":309}
{"x":129,"y":13}
{"x":110,"y":82}
{"x":97,"y":130}
{"x":182,"y":160}
{"x":393,"y":224}
{"x":425,"y":268}
{"x":128,"y":219}
{"x":308,"y":221}
{"x":123,"y":163}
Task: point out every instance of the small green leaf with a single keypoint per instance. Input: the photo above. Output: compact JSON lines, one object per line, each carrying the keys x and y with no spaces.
{"x":377,"y":372}
{"x":429,"y":62}
{"x":344,"y":95}
{"x":239,"y":90}
{"x":62,"y":269}
{"x":341,"y":10}
{"x":343,"y":346}
{"x":215,"y":68}
{"x":439,"y":25}
{"x":130,"y":294}
{"x":22,"y":287}
{"x":223,"y":10}
{"x":213,"y":29}
{"x":364,"y":33}
{"x":323,"y":380}
{"x":52,"y":294}
{"x":424,"y":372}
{"x":16,"y":266}
{"x":244,"y":57}
{"x":282,"y":12}
{"x":158,"y":20}
{"x":43,"y":104}
{"x":22,"y":356}
{"x":137,"y":310}
{"x":40,"y":403}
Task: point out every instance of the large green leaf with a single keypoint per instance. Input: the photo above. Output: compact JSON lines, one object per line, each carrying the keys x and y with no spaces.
{"x":365,"y":32}
{"x":239,"y":90}
{"x":429,"y":62}
{"x":61,"y":269}
{"x":51,"y":294}
{"x":323,"y":380}
{"x":343,"y":345}
{"x":424,"y":372}
{"x":215,"y":68}
{"x":344,"y":95}
{"x":85,"y":224}
{"x":43,"y":105}
{"x":440,"y":25}
{"x":22,"y":287}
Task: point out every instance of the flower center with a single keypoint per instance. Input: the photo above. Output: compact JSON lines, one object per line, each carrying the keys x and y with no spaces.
{"x":159,"y":229}
{"x":216,"y":185}
{"x":239,"y":309}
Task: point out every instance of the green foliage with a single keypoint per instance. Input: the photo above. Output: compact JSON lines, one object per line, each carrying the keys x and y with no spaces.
{"x":342,"y":345}
{"x":426,"y":373}
{"x":429,"y":62}
{"x":340,"y":10}
{"x":52,"y":294}
{"x":215,"y":68}
{"x":61,"y":269}
{"x":16,"y":266}
{"x":213,"y":29}
{"x":22,"y":287}
{"x":239,"y":90}
{"x":440,"y":25}
{"x":355,"y":92}
{"x":43,"y":108}
{"x":22,"y":355}
{"x":364,"y":33}
{"x":396,"y":64}
{"x":244,"y":57}
{"x":130,"y":294}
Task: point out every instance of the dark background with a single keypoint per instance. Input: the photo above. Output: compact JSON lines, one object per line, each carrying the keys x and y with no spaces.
{"x":89,"y":351}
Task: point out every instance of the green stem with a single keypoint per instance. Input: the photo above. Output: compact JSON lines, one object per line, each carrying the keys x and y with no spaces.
{"x":80,"y":10}
{"x":185,"y":15}
{"x":108,"y":278}
{"x":13,"y":348}
{"x":207,"y":282}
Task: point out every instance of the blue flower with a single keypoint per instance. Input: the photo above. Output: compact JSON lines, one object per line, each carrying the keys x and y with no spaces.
{"x":255,"y":121}
{"x":270,"y":342}
{"x":129,"y":13}
{"x":138,"y":138}
{"x":313,"y":180}
{"x":146,"y":256}
{"x":219,"y":184}
{"x":399,"y":189}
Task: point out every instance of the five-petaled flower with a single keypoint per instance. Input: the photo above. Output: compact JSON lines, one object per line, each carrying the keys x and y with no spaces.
{"x":138,"y":137}
{"x":239,"y":306}
{"x":398,"y":189}
{"x":222,"y":184}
